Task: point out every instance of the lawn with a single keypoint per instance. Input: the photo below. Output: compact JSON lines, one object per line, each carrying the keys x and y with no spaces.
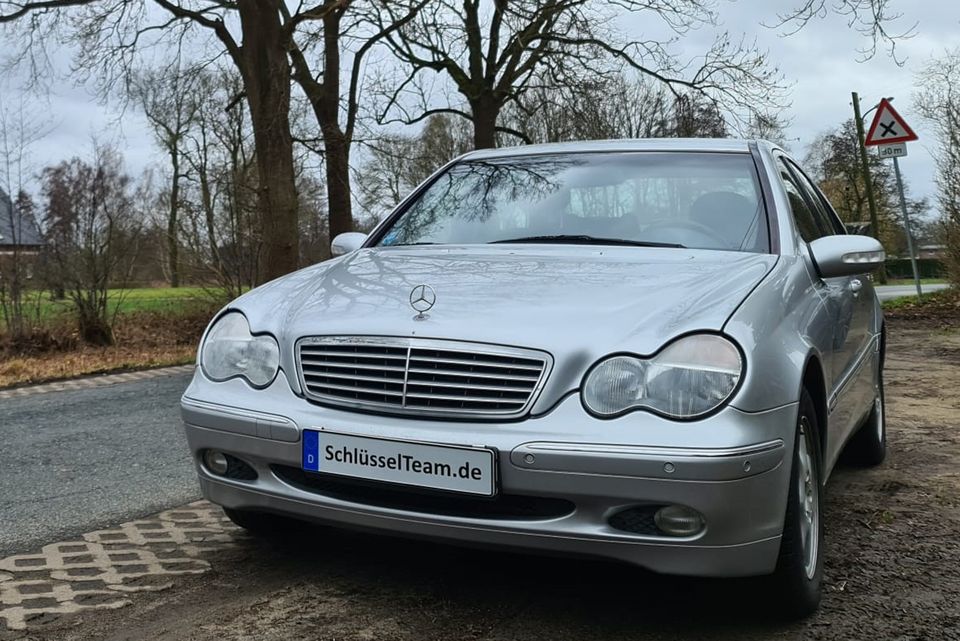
{"x":40,"y":307}
{"x":923,"y":281}
{"x":942,"y":305}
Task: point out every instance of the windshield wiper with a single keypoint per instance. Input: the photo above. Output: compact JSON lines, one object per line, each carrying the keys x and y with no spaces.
{"x":583,"y":239}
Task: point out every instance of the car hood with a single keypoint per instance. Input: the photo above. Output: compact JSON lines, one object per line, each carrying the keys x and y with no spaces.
{"x":577,"y":303}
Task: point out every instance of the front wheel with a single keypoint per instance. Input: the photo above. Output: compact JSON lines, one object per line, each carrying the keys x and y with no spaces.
{"x":796,"y":583}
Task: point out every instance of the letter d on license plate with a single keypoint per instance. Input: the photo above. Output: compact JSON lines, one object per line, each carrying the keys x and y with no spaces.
{"x":440,"y":467}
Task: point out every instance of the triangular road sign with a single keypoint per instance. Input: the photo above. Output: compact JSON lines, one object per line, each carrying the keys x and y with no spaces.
{"x":888,"y":126}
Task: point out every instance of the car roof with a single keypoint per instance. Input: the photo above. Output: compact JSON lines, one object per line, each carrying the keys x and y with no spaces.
{"x":729,"y":145}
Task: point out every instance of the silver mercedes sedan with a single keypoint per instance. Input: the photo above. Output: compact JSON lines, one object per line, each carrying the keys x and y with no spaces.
{"x":652,"y":351}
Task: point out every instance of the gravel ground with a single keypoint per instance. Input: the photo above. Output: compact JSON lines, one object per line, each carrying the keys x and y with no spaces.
{"x":893,"y":564}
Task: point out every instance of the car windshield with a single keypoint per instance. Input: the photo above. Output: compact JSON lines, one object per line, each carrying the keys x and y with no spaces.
{"x":671,"y":199}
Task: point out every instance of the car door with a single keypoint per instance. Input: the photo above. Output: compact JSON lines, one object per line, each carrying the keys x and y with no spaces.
{"x":851,"y":300}
{"x":810,"y":228}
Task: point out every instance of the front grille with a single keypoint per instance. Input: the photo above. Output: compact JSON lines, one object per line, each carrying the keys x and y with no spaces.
{"x":426,"y":377}
{"x":503,"y":506}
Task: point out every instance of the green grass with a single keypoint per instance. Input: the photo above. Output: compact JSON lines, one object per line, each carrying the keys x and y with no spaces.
{"x":923,"y":281}
{"x":39,"y":306}
{"x":929,"y":300}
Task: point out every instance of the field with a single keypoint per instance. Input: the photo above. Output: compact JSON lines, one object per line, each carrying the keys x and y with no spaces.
{"x":154,"y":327}
{"x":41,"y":308}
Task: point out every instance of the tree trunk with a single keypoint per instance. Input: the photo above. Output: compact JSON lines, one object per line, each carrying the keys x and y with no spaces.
{"x":266,"y":76}
{"x":485,"y":111}
{"x":337,"y":156}
{"x":325,"y":99}
{"x":173,"y":248}
{"x":209,"y":215}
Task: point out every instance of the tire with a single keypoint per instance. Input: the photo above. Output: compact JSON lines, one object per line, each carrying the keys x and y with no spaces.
{"x":868,"y":447}
{"x":795,"y":585}
{"x":262,"y":523}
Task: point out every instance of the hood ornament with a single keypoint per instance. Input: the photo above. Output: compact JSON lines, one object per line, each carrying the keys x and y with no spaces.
{"x":422,"y":300}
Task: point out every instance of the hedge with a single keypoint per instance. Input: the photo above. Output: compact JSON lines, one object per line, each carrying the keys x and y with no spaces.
{"x":928,"y":268}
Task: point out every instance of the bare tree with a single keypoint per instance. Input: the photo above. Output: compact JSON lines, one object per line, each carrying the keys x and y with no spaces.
{"x":695,"y":116}
{"x":336,"y":107}
{"x":398,"y":163}
{"x":19,"y":235}
{"x":220,"y":226}
{"x":939,"y":104}
{"x":169,"y":100}
{"x":874,"y":19}
{"x":592,"y":108}
{"x":269,"y":43}
{"x":92,"y":226}
{"x":492,"y":56}
{"x":488,"y":54}
{"x":109,"y":35}
{"x":768,"y":126}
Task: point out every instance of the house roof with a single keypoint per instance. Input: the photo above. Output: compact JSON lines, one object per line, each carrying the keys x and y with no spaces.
{"x":17,"y":229}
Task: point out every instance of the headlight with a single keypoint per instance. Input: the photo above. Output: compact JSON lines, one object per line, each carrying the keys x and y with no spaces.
{"x":690,"y":377}
{"x":230,"y":350}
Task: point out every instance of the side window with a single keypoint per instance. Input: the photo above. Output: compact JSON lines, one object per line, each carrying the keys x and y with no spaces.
{"x":827,"y":220}
{"x":803,"y":214}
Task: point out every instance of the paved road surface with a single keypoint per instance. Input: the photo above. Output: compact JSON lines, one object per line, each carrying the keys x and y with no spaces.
{"x":74,"y":461}
{"x":887,"y":292}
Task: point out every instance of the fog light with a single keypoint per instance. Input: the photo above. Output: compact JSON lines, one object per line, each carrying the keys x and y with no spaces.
{"x":215,"y":461}
{"x":677,"y":520}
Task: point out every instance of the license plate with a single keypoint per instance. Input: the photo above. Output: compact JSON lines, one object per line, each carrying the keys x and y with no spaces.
{"x":468,"y":470}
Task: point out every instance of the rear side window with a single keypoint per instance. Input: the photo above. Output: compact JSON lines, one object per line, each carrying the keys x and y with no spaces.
{"x":803,"y":213}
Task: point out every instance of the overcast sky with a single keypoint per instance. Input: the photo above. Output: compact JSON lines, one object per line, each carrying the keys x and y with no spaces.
{"x":820,"y":63}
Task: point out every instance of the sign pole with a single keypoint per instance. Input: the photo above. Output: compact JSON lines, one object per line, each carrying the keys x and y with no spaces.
{"x":906,"y":226}
{"x":867,"y":180}
{"x":890,"y":132}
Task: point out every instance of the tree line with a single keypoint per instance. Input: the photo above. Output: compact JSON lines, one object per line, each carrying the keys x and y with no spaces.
{"x":475,"y":59}
{"x":267,"y":111}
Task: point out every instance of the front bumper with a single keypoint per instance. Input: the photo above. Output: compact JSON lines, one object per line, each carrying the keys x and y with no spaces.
{"x":730,"y":468}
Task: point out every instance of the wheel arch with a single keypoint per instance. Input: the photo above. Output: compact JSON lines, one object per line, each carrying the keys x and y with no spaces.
{"x":814,"y":381}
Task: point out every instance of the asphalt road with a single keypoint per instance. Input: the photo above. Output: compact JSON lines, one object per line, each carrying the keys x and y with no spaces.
{"x":75,"y":461}
{"x":888,"y":292}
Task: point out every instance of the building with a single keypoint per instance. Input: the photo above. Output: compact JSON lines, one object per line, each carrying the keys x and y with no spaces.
{"x":18,"y":233}
{"x":936,"y":252}
{"x":20,"y":244}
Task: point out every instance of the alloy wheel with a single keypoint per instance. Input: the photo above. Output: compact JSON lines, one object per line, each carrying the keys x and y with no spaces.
{"x":809,"y":499}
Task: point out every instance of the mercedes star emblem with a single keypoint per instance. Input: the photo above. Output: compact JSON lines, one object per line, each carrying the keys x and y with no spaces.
{"x":422,"y":299}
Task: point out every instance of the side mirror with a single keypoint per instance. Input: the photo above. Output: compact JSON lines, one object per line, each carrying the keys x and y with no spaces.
{"x":346,"y":243}
{"x":846,"y":255}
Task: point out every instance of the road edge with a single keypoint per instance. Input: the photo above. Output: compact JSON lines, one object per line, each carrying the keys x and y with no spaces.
{"x":91,"y":382}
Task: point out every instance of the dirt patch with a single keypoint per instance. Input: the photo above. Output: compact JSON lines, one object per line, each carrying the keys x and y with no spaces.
{"x":893,"y":564}
{"x":143,"y":340}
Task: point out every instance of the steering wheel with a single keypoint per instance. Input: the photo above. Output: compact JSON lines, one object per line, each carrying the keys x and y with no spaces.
{"x":666,"y":224}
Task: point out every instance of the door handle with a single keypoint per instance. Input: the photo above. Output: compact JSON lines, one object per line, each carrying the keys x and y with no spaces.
{"x":855,"y":286}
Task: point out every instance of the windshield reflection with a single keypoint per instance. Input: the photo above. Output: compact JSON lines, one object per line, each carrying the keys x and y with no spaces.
{"x":678,"y":199}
